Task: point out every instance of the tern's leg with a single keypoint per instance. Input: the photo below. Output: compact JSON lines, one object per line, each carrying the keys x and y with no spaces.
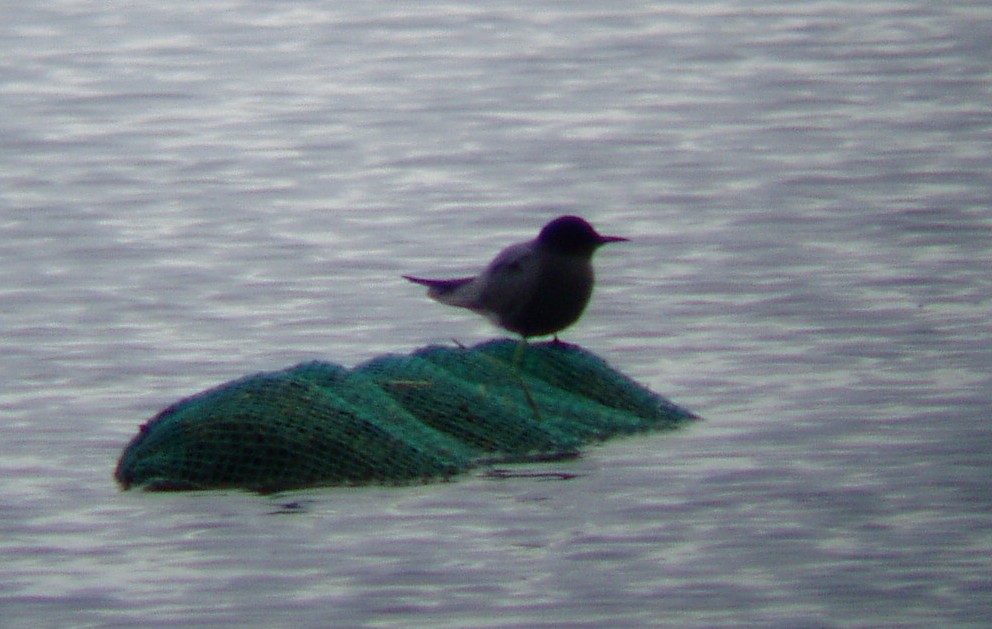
{"x":517,"y":355}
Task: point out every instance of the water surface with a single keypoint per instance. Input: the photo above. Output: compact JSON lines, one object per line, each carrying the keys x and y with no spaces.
{"x":188,"y":196}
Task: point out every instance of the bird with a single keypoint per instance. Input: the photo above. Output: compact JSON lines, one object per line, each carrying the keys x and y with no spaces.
{"x":534,"y":288}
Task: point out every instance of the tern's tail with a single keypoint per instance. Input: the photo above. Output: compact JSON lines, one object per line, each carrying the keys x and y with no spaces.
{"x":446,"y":291}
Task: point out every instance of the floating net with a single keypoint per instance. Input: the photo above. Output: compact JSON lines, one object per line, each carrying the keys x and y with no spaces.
{"x":397,"y":418}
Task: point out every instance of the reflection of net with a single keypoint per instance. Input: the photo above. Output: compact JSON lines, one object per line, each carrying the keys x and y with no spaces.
{"x":396,"y":418}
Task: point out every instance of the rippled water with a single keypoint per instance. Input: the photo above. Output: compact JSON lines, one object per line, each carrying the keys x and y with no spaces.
{"x":188,"y":195}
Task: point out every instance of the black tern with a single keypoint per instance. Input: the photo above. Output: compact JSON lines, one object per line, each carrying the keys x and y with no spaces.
{"x":533,"y":288}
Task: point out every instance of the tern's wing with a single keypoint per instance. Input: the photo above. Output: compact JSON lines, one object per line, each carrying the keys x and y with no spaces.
{"x":510,"y":278}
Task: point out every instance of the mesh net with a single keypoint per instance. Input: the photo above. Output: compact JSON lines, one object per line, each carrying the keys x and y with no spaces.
{"x":397,"y":418}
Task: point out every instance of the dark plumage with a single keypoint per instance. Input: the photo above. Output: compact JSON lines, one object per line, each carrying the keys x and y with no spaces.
{"x":532,"y":288}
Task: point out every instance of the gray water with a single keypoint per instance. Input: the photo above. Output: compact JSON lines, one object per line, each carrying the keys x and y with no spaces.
{"x":192,"y":193}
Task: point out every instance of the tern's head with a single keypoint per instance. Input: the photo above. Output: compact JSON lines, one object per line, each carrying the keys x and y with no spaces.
{"x":574,"y":236}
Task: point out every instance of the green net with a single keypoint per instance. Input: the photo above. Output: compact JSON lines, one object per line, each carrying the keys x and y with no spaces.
{"x":398,"y":418}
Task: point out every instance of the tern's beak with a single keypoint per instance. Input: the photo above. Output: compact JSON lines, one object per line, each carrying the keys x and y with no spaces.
{"x":605,"y":239}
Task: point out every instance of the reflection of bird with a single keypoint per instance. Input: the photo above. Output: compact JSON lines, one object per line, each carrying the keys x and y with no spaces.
{"x":533,"y":288}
